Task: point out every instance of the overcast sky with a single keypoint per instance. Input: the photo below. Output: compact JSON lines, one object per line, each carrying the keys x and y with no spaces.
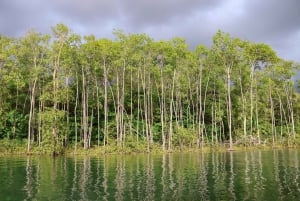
{"x":275,"y":22}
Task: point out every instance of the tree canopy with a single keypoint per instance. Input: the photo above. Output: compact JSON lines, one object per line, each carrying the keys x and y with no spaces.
{"x":63,"y":90}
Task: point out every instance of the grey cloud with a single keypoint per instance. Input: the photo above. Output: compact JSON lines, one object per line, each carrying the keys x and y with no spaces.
{"x":160,"y":13}
{"x":88,"y":11}
{"x":275,"y":22}
{"x":269,"y":19}
{"x":17,"y":17}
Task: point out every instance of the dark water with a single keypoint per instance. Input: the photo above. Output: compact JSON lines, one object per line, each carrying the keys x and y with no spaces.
{"x":255,"y":175}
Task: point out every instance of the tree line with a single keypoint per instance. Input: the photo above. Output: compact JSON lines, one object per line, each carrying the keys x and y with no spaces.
{"x":63,"y":89}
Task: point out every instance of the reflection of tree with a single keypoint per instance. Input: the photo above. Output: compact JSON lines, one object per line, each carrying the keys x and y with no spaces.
{"x":296,"y":172}
{"x":276,"y":173}
{"x":84,"y":179}
{"x":202,"y":179}
{"x":105,"y":175}
{"x":258,"y":176}
{"x":255,"y":175}
{"x":231,"y":180}
{"x":150,"y":179}
{"x":98,"y":178}
{"x":289,"y":174}
{"x":74,"y":189}
{"x":120,"y":178}
{"x":247,"y":177}
{"x":172,"y":183}
{"x":163,"y":175}
{"x":219,"y":173}
{"x":30,"y":181}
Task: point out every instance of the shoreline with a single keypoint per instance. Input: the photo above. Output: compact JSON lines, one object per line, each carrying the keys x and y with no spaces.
{"x":113,"y":150}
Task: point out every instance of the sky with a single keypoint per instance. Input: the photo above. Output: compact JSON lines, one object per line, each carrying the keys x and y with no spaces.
{"x":274,"y":22}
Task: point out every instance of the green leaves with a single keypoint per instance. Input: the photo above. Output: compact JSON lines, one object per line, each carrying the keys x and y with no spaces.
{"x":128,"y":85}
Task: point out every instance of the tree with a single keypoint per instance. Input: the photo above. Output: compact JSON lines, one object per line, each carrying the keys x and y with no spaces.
{"x":226,"y":50}
{"x":33,"y":50}
{"x":60,"y":33}
{"x":139,"y":93}
{"x":257,"y":56}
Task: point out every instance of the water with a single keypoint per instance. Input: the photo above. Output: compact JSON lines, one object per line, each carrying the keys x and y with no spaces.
{"x":255,"y":175}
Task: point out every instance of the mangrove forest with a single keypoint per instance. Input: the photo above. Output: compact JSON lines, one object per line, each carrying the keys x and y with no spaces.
{"x":66,"y":91}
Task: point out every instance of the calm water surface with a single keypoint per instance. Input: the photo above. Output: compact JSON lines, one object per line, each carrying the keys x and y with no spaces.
{"x":255,"y":175}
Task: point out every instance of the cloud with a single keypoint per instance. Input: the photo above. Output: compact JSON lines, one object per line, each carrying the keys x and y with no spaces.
{"x":161,"y":13}
{"x":86,"y":12}
{"x":274,"y":22}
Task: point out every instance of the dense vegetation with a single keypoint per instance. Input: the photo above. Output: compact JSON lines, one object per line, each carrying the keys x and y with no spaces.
{"x":64,"y":90}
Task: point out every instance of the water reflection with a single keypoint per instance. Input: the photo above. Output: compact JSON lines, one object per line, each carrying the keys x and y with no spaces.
{"x":31,"y":174}
{"x":120,"y":178}
{"x":257,"y":181}
{"x":202,"y":178}
{"x":231,"y":188}
{"x":256,"y":175}
{"x":74,"y":181}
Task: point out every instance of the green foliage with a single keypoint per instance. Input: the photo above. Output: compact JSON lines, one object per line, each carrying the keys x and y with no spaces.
{"x":184,"y":136}
{"x":49,"y":81}
{"x":12,"y":146}
{"x":14,"y":125}
{"x":51,"y":118}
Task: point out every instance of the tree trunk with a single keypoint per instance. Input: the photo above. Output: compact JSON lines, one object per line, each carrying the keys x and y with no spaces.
{"x":75,"y":112}
{"x":31,"y":114}
{"x":229,"y":107}
{"x":105,"y":140}
{"x":272,"y":117}
{"x":98,"y":112}
{"x":170,"y":136}
{"x":118,"y":122}
{"x":122,"y":131}
{"x":84,"y":112}
{"x":291,"y":110}
{"x":138,"y":109}
{"x":162,"y":109}
{"x":256,"y":114}
{"x":251,"y":96}
{"x":244,"y":114}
